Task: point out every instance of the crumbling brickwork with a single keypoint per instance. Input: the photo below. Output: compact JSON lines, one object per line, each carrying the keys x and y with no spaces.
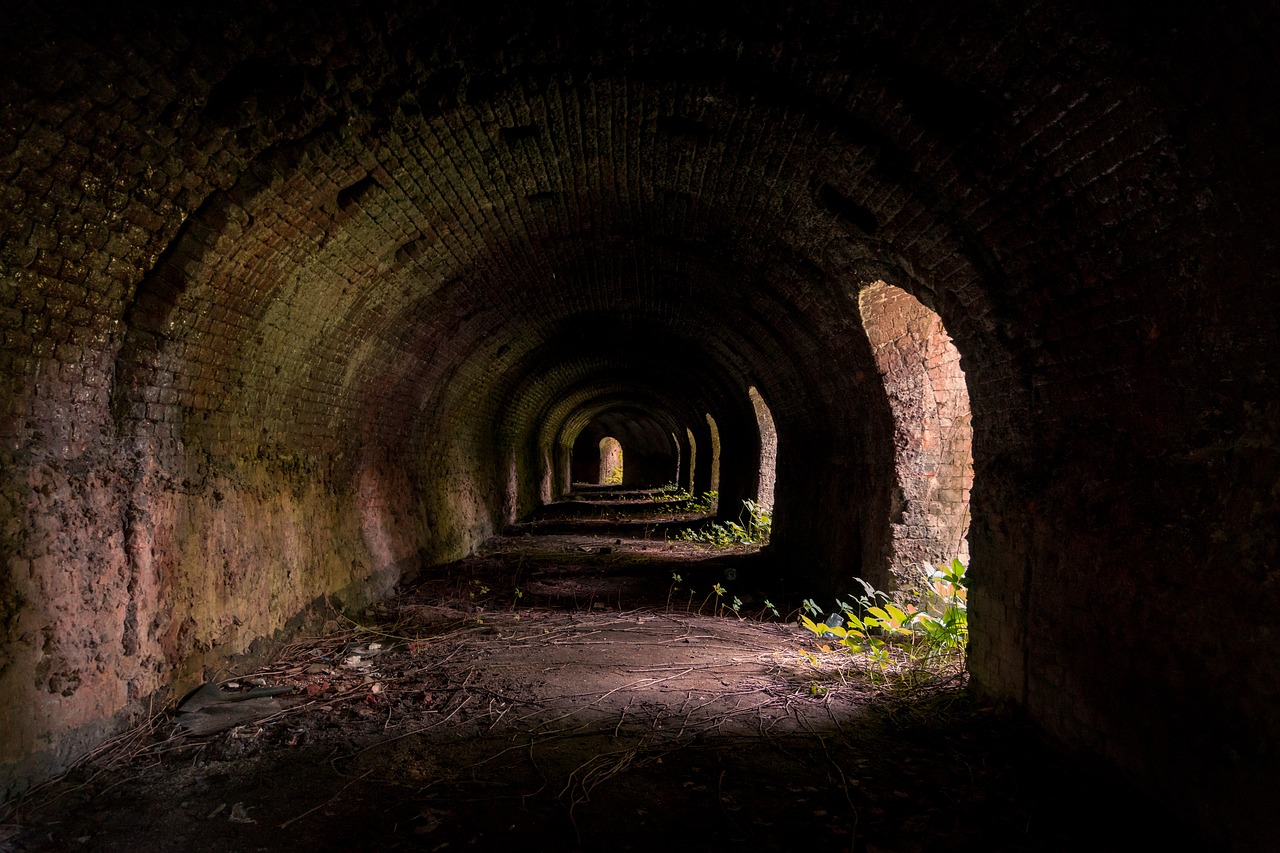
{"x":932,"y":434}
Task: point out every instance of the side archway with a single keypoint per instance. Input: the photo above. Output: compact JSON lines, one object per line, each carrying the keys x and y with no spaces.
{"x":932,"y":430}
{"x":768,"y":450}
{"x":610,"y":461}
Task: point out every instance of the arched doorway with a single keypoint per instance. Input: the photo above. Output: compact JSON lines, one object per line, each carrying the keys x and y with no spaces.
{"x":932,"y":430}
{"x":610,"y":461}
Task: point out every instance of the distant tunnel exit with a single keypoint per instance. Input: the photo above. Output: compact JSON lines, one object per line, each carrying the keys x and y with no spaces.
{"x":610,"y":461}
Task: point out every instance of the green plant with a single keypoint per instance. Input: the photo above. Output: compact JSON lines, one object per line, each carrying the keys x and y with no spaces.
{"x":866,"y":634}
{"x":717,"y":590}
{"x":673,"y":498}
{"x":877,"y":628}
{"x":704,"y":503}
{"x":754,"y":530}
{"x":682,"y":501}
{"x":676,"y":580}
{"x":713,"y":534}
{"x":947,"y":631}
{"x":759,"y":521}
{"x":811,"y":658}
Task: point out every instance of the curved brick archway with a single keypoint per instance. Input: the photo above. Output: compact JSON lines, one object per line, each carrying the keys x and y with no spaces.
{"x":768,"y":434}
{"x":303,"y":299}
{"x":610,"y":461}
{"x":933,"y":447}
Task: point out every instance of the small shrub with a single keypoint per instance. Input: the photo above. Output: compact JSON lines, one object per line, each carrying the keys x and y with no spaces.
{"x":759,"y":523}
{"x":947,"y":631}
{"x":877,"y":628}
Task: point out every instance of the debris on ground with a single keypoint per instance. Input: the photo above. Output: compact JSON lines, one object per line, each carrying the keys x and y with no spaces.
{"x":210,"y":709}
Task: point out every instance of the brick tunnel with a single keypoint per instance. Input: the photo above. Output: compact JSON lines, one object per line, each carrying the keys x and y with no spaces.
{"x":301,"y":301}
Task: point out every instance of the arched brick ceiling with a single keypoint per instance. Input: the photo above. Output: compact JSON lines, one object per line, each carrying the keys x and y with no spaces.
{"x":580,"y":403}
{"x":572,"y":389}
{"x":383,"y":192}
{"x":635,"y":429}
{"x":308,"y":230}
{"x":367,"y":319}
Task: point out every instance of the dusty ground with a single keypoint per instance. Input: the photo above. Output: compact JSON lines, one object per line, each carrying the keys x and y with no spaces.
{"x":596,"y":710}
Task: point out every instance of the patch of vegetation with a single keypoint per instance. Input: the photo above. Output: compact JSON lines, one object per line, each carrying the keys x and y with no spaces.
{"x":672,"y":498}
{"x":903,"y":641}
{"x":752,"y":528}
{"x":723,"y":602}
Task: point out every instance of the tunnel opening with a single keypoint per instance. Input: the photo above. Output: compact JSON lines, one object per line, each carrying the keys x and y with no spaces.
{"x":610,"y":461}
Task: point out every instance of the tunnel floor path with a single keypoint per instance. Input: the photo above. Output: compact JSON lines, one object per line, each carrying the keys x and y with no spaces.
{"x":561,"y":691}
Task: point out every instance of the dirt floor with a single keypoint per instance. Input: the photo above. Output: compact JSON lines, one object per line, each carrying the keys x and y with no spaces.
{"x":597,"y":708}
